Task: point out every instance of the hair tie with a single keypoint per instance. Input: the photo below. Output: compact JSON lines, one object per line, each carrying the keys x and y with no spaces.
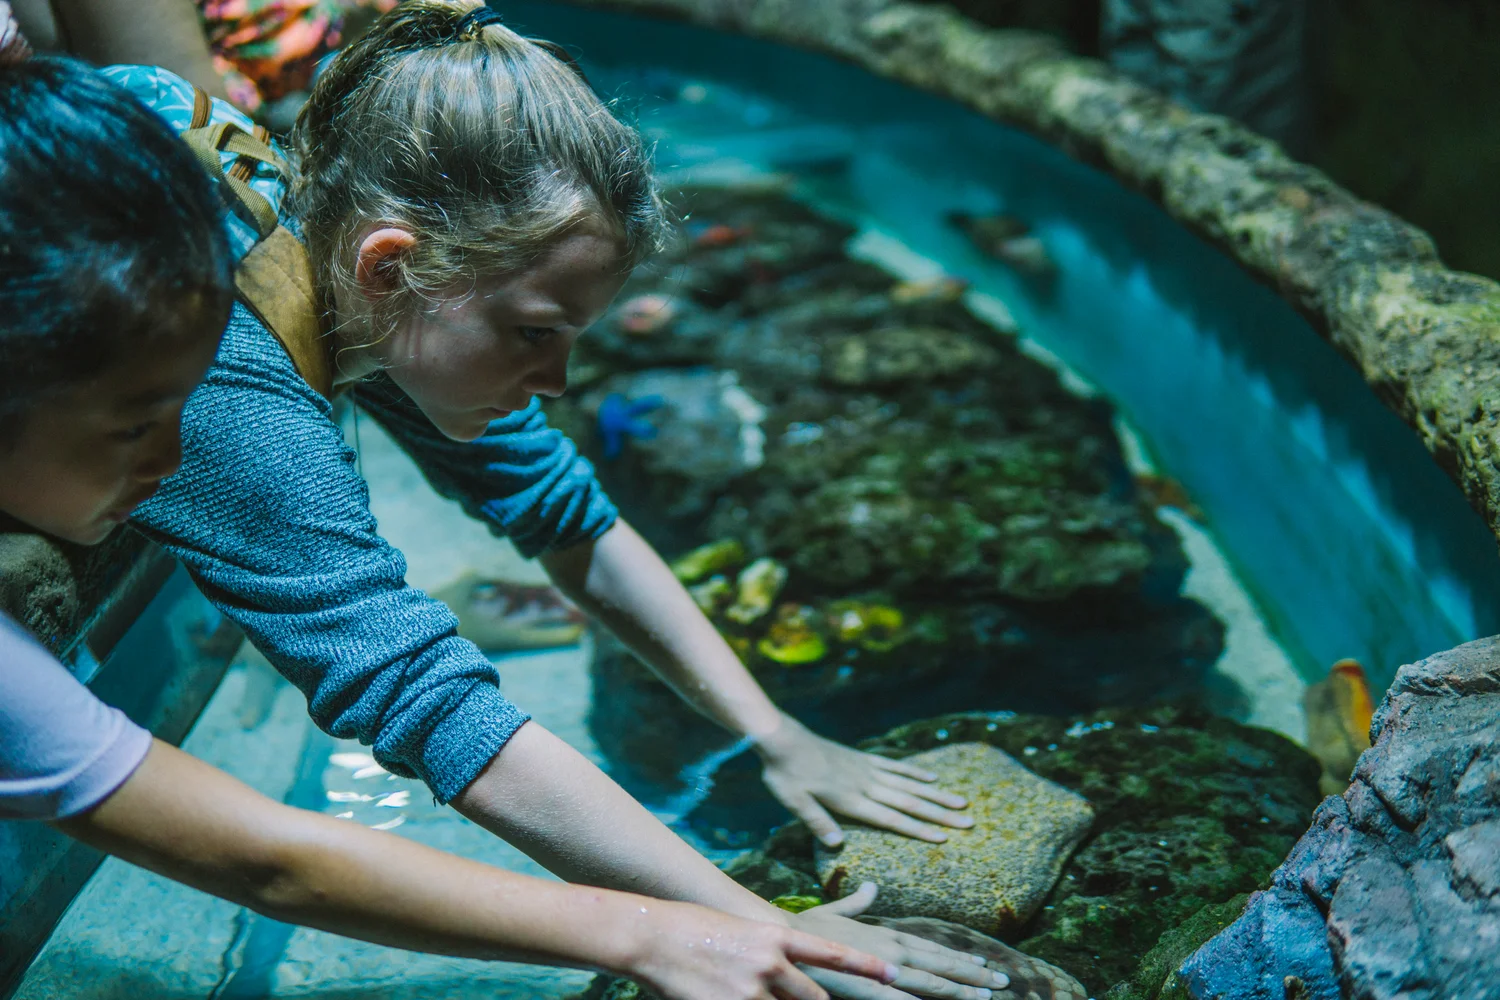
{"x":475,"y":21}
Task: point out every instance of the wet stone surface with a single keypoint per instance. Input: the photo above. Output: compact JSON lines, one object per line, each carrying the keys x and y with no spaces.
{"x":992,"y":877}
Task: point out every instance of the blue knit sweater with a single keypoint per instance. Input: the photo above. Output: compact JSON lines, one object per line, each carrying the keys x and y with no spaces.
{"x":274,"y":523}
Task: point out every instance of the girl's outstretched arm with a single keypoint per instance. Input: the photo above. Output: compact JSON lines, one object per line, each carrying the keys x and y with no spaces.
{"x":623,"y":582}
{"x":197,"y":825}
{"x":547,"y":799}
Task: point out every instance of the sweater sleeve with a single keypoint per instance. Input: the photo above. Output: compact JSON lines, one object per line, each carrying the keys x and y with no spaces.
{"x":523,"y":478}
{"x":270,"y":516}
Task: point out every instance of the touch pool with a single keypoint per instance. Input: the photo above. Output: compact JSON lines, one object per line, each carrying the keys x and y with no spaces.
{"x":1234,"y":485}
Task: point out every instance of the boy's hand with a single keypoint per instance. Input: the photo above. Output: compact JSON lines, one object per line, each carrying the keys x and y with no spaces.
{"x":812,"y":777}
{"x":927,"y":969}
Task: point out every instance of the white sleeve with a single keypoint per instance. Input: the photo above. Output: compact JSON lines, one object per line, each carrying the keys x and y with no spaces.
{"x":62,"y":750}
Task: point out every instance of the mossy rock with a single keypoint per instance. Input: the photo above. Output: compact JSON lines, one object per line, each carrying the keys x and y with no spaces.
{"x":1156,"y":977}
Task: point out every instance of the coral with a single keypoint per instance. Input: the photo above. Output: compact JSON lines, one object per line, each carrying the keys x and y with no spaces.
{"x":755,"y":590}
{"x":715,"y":557}
{"x":793,"y":638}
{"x":991,"y":877}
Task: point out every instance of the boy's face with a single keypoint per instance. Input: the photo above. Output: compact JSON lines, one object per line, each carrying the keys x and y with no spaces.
{"x":86,"y":457}
{"x":477,"y":357}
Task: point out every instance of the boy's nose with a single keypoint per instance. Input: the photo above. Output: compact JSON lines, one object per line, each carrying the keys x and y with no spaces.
{"x":164,"y":458}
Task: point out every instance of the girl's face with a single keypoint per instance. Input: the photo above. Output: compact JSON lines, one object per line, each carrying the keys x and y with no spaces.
{"x":88,"y":456}
{"x":478,"y":356}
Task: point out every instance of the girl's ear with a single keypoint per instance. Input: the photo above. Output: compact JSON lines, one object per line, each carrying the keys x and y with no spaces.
{"x":376,"y":262}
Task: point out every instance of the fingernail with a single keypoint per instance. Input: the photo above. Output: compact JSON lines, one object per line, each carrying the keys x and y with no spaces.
{"x":891,"y":973}
{"x":977,"y":959}
{"x":984,"y":994}
{"x":965,"y":822}
{"x":1001,"y":980}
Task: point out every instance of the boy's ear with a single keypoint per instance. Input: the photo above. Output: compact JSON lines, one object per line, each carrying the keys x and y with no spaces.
{"x":376,"y":262}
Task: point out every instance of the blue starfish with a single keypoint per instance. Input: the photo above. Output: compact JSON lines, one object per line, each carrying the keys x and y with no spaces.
{"x":619,"y":418}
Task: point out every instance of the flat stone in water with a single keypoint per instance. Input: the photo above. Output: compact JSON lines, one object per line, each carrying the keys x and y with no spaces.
{"x":1029,"y":977}
{"x":992,"y":877}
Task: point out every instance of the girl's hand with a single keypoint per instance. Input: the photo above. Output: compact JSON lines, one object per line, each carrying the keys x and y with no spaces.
{"x":13,"y":47}
{"x":927,"y":969}
{"x":811,"y":776}
{"x":693,"y":953}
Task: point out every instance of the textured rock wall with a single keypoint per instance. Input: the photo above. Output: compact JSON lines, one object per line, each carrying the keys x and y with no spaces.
{"x":1395,"y":891}
{"x":1427,"y":339}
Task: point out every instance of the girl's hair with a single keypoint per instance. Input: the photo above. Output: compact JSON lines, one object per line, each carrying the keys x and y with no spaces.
{"x":111,"y":234}
{"x":487,"y":146}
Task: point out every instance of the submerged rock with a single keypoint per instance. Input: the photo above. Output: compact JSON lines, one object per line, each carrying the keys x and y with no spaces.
{"x":991,"y":877}
{"x":498,"y":615}
{"x":1029,"y":977}
{"x":1395,"y":891}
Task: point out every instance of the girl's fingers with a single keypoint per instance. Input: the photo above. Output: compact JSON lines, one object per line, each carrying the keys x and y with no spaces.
{"x":925,"y":984}
{"x":920,"y":808}
{"x":922,"y":790}
{"x":808,"y":810}
{"x":886,"y":818}
{"x":808,"y":949}
{"x":903,"y":768}
{"x":853,"y":904}
{"x":945,"y":963}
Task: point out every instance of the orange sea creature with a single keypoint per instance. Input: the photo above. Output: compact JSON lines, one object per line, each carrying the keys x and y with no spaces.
{"x":646,"y":314}
{"x":1164,"y":491}
{"x":720,"y":235}
{"x":1339,"y":710}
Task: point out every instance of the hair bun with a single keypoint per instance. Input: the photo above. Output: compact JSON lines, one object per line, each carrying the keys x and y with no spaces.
{"x":474,"y":22}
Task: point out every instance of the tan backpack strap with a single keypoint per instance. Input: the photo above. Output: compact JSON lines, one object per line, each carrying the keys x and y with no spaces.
{"x":208,"y":141}
{"x":276,"y":282}
{"x":202,"y":108}
{"x":244,"y":167}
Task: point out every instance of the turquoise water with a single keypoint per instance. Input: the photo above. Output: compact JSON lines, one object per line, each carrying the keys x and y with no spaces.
{"x":1329,"y":533}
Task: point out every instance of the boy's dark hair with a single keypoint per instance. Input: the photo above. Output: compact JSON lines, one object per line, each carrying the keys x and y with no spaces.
{"x":109,"y":231}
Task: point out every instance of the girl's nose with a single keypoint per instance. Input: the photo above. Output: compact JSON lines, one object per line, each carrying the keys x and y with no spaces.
{"x":549,"y":380}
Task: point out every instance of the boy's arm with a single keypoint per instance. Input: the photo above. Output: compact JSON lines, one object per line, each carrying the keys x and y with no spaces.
{"x":195,"y":824}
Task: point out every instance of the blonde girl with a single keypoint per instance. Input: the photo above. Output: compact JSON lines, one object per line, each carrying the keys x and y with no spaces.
{"x":470,"y":207}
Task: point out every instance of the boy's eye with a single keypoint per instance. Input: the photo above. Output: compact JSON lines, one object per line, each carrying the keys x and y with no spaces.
{"x":536,"y":334}
{"x":132,"y":433}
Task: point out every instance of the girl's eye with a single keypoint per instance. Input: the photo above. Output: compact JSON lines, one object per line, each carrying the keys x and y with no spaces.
{"x":132,"y":433}
{"x":536,"y":334}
